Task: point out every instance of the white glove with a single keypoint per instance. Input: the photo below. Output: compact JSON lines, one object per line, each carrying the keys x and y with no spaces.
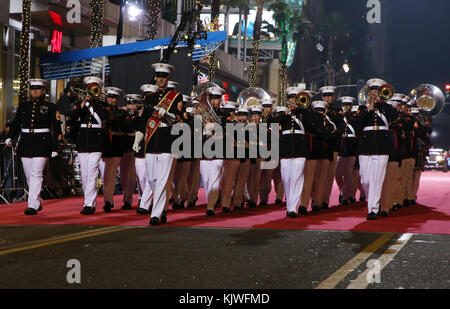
{"x":54,"y":154}
{"x":161,"y":111}
{"x":8,"y":142}
{"x":137,"y":140}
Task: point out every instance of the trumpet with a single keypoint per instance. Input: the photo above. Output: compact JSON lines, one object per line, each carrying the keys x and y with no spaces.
{"x":386,"y":91}
{"x":303,"y":99}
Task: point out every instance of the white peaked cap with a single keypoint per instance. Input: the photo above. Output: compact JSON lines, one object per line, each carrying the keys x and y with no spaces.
{"x":355,"y":108}
{"x":163,"y":67}
{"x":347,"y":100}
{"x":229,"y":105}
{"x":149,"y":88}
{"x":243,"y":109}
{"x":406,"y":99}
{"x":267,"y":102}
{"x":293,"y":90}
{"x":280,"y":109}
{"x":113,"y":91}
{"x":327,"y":89}
{"x":215,"y":91}
{"x":172,"y":84}
{"x":189,"y":109}
{"x":92,"y":79}
{"x":319,"y":104}
{"x":256,"y":109}
{"x":133,"y":96}
{"x":37,"y":82}
{"x":397,"y":97}
{"x":186,"y":98}
{"x":375,"y":82}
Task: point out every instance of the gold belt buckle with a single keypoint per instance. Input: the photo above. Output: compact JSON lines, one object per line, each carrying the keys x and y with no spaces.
{"x":89,"y":125}
{"x":31,"y":130}
{"x":375,"y":128}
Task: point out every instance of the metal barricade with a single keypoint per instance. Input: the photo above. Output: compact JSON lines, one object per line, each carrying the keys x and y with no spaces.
{"x":12,"y":181}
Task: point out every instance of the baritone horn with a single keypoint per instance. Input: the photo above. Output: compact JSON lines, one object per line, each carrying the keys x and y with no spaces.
{"x":429,"y":98}
{"x":252,"y":96}
{"x":203,"y":107}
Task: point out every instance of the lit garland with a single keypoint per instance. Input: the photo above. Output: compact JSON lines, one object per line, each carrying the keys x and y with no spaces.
{"x":97,"y":7}
{"x":24,"y":61}
{"x":214,"y":26}
{"x":153,"y":17}
{"x":283,"y":82}
{"x":253,"y":64}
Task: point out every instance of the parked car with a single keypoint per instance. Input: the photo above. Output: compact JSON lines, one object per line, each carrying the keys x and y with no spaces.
{"x":437,"y":159}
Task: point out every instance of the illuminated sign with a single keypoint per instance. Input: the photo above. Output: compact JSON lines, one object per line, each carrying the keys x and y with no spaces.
{"x":56,"y":41}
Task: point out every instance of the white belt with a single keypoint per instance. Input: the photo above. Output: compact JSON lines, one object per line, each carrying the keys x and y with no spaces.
{"x":92,"y":126}
{"x":293,"y":132}
{"x":35,"y":130}
{"x":350,"y":135}
{"x":376,"y":128}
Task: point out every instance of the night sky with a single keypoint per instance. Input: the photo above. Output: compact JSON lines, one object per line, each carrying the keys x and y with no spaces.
{"x":419,"y":32}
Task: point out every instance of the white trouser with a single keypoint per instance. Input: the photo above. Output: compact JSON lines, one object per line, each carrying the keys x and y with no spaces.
{"x":145,"y":191}
{"x":211,"y":172}
{"x":160,"y":170}
{"x":109,"y":178}
{"x":265,"y":184}
{"x":292,"y":177}
{"x":89,"y":162}
{"x":128,"y":176}
{"x":372,"y":170}
{"x":344,"y":176}
{"x":34,"y":173}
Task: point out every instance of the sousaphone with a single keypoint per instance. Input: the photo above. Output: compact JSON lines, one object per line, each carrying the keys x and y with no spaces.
{"x":429,"y":98}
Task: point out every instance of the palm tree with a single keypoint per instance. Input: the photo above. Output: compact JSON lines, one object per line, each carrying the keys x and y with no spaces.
{"x":24,"y":49}
{"x":334,"y":27}
{"x":289,"y":26}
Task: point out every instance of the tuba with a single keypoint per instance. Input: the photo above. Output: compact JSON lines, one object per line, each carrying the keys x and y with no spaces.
{"x":203,"y":107}
{"x":252,"y":96}
{"x":429,"y":98}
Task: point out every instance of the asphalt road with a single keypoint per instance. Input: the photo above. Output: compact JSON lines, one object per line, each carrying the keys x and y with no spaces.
{"x":219,"y":258}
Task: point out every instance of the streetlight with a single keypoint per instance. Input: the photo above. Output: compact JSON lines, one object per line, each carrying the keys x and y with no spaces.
{"x":346,"y":66}
{"x":134,"y":9}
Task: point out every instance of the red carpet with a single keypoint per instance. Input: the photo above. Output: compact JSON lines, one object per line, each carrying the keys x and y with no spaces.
{"x":431,"y":215}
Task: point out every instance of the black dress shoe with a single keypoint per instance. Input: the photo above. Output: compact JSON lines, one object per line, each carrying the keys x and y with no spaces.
{"x":315,"y":208}
{"x":171,"y":201}
{"x":190,"y":205}
{"x":251,"y":204}
{"x":384,"y":213}
{"x":30,"y":211}
{"x":164,"y":217}
{"x":372,"y":216}
{"x":291,"y":214}
{"x":406,"y":203}
{"x":340,"y":198}
{"x":352,"y":199}
{"x":324,"y":205}
{"x":263,"y":204}
{"x":362,"y":198}
{"x":236,"y":207}
{"x":87,"y":210}
{"x":394,"y":207}
{"x":242,"y":205}
{"x":278,"y":202}
{"x":154,"y":221}
{"x":108,"y":206}
{"x":210,"y":212}
{"x":177,"y":206}
{"x":412,"y":202}
{"x":142,"y":211}
{"x":302,"y":210}
{"x":126,"y":206}
{"x":344,"y":202}
{"x":225,"y":209}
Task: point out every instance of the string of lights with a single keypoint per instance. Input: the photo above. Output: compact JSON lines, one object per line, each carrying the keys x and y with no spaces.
{"x":153,"y":16}
{"x":213,"y":59}
{"x":283,"y":83}
{"x":252,"y":71}
{"x":24,"y":61}
{"x":96,"y":19}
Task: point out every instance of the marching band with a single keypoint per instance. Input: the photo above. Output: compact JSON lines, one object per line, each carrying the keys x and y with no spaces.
{"x":384,"y":135}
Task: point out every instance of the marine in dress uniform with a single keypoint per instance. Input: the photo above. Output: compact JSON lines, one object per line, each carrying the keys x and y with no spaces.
{"x":375,"y":146}
{"x":92,"y":140}
{"x":334,"y":116}
{"x":162,"y":109}
{"x":145,"y":193}
{"x":276,"y":175}
{"x":294,"y":149}
{"x":211,"y":168}
{"x":265,"y":185}
{"x":36,"y":122}
{"x":347,"y":151}
{"x":112,"y":154}
{"x":194,"y":172}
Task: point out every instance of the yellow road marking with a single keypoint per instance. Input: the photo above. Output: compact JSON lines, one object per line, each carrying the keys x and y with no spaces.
{"x":341,"y":273}
{"x":362,"y":282}
{"x":64,"y":238}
